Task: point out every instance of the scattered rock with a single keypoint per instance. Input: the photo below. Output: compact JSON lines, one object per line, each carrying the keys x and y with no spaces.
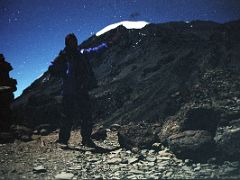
{"x":39,"y":169}
{"x":44,"y":129}
{"x":76,"y":167}
{"x":235,"y":164}
{"x":187,"y":161}
{"x":135,"y":150}
{"x":114,"y":161}
{"x":116,"y":151}
{"x":135,"y":171}
{"x":165,"y":153}
{"x":230,"y":170}
{"x":168,"y":174}
{"x":151,"y":159}
{"x":44,"y":132}
{"x":197,"y":169}
{"x":115,"y":127}
{"x":125,"y":161}
{"x":25,"y":138}
{"x":133,"y":160}
{"x":160,"y":158}
{"x":227,"y":142}
{"x":88,"y":152}
{"x":157,"y":146}
{"x":64,"y":176}
{"x":151,"y":151}
{"x":35,"y":132}
{"x":186,"y":168}
{"x":98,"y":177}
{"x":92,"y":160}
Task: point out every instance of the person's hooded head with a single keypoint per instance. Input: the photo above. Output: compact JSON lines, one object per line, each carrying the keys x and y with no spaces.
{"x":71,"y":41}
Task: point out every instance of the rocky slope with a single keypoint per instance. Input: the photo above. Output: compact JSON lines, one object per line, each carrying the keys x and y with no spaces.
{"x":182,"y":76}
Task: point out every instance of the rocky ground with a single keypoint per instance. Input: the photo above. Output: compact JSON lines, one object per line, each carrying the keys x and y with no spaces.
{"x":42,"y":158}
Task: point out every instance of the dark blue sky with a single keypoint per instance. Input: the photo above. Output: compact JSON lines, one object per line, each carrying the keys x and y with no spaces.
{"x":32,"y":31}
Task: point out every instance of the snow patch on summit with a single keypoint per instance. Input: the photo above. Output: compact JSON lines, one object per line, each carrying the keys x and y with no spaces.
{"x":127,"y":24}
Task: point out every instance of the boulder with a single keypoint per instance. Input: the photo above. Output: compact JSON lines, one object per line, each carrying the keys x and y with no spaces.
{"x":171,"y":126}
{"x":115,"y":127}
{"x":25,"y":138}
{"x":44,"y":129}
{"x":6,"y":137}
{"x":100,"y":134}
{"x":227,"y":142}
{"x":197,"y":145}
{"x":22,"y":132}
{"x":201,"y":118}
{"x":137,"y":136}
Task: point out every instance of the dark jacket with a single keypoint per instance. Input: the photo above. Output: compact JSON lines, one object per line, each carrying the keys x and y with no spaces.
{"x":75,"y":70}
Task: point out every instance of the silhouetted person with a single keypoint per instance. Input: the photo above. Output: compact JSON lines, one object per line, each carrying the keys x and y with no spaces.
{"x":74,"y":69}
{"x":5,"y":68}
{"x":7,"y":87}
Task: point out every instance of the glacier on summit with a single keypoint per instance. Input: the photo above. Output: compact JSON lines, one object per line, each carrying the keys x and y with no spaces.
{"x":127,"y":24}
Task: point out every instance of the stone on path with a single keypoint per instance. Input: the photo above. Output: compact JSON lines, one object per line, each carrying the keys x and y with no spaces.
{"x":151,"y":159}
{"x":115,"y":127}
{"x":114,"y":161}
{"x":39,"y":169}
{"x":64,"y":176}
{"x":132,"y":160}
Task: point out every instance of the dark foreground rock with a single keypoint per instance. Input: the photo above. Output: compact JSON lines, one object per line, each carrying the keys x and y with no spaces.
{"x":44,"y":129}
{"x":227,"y":141}
{"x":6,"y":137}
{"x":141,"y":136}
{"x":21,"y":132}
{"x":197,"y":145}
{"x":100,"y":134}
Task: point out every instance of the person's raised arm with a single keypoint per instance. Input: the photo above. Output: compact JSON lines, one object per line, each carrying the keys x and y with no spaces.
{"x":102,"y":46}
{"x":95,"y":49}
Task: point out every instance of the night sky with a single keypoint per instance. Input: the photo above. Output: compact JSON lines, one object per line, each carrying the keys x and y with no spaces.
{"x":32,"y":31}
